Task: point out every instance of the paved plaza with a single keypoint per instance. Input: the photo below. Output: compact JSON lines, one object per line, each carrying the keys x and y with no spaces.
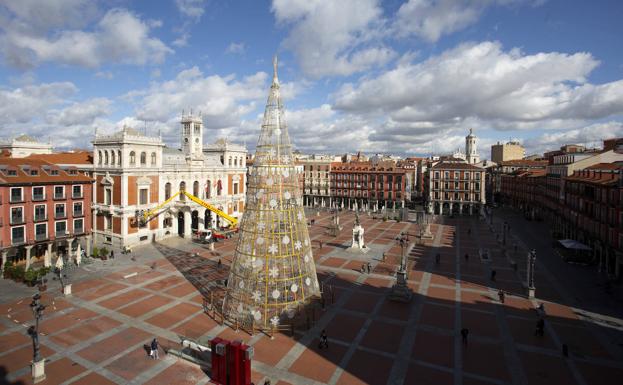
{"x":99,"y":334}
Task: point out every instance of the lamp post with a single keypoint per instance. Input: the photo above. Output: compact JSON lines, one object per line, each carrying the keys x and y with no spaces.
{"x":530,"y":273}
{"x":38,"y":368}
{"x":504,"y":232}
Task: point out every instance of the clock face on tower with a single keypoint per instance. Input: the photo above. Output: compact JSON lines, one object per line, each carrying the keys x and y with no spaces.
{"x":197,"y":140}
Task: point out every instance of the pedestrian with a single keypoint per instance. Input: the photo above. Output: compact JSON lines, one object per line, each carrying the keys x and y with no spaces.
{"x":324,"y":341}
{"x":112,"y":254}
{"x":154,"y":349}
{"x":267,"y":382}
{"x":218,"y":266}
{"x":501,"y":295}
{"x":466,"y":257}
{"x":493,"y":273}
{"x":565,"y":350}
{"x":437,"y":258}
{"x":384,"y":257}
{"x":363,"y":268}
{"x":464,"y":333}
{"x":320,"y":245}
{"x":369,"y":268}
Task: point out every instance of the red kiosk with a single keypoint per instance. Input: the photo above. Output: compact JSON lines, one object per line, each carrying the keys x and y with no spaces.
{"x":231,"y":362}
{"x":219,"y":349}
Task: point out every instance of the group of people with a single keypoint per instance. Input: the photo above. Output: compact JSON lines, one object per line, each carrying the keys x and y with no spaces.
{"x":366,"y":268}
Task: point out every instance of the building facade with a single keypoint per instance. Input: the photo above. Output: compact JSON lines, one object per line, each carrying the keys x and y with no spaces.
{"x":24,"y":145}
{"x":45,"y":211}
{"x":455,"y":187}
{"x":316,"y":170}
{"x":502,"y":152}
{"x":592,"y":213}
{"x":135,"y":173}
{"x":357,"y":185}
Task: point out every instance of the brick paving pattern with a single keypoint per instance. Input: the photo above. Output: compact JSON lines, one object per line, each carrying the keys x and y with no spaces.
{"x":99,"y":335}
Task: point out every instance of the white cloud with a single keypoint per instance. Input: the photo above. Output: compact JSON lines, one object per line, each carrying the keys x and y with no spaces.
{"x":79,"y":113}
{"x":25,"y":104}
{"x":104,"y":75}
{"x":333,"y":37}
{"x":118,"y":37}
{"x":191,"y":8}
{"x":223,"y":101}
{"x":235,"y":48}
{"x":590,"y":136}
{"x":431,"y":19}
{"x":507,"y":89}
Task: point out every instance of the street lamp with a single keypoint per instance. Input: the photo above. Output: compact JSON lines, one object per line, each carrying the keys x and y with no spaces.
{"x":504,"y":232}
{"x":38,"y":371}
{"x":530,"y":273}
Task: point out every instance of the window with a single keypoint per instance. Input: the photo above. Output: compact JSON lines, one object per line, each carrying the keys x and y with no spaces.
{"x":40,"y":213}
{"x":436,"y":186}
{"x":436,"y":194}
{"x":106,"y":157}
{"x":119,"y":157}
{"x":108,"y":196}
{"x":17,"y":215}
{"x":78,"y":209}
{"x":59,"y":192}
{"x":466,"y":196}
{"x":477,"y":186}
{"x":153,"y":158}
{"x":466,"y":186}
{"x":456,"y":196}
{"x":446,"y":174}
{"x":229,"y":161}
{"x":142,"y":200}
{"x":167,"y":191}
{"x":38,"y":193}
{"x":11,"y":172}
{"x":16,"y":194}
{"x":59,"y":210}
{"x":219,"y":187}
{"x":60,"y":228}
{"x":477,"y":175}
{"x":196,"y":188}
{"x":112,"y":158}
{"x":456,"y":185}
{"x":235,"y":188}
{"x":208,"y":189}
{"x":41,"y":231}
{"x":18,"y":235}
{"x":467,"y":175}
{"x":235,"y":161}
{"x":78,"y":226}
{"x":143,"y":158}
{"x":34,"y":172}
{"x":76,"y":191}
{"x":457,"y":175}
{"x":107,"y":222}
{"x":132,"y":158}
{"x":99,"y":156}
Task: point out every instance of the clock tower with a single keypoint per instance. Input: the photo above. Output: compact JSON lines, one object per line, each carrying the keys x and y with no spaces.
{"x":192,"y":136}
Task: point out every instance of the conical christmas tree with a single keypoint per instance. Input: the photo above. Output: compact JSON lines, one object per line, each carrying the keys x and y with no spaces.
{"x":273,"y":270}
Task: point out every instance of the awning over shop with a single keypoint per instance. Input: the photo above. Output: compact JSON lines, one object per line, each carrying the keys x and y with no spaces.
{"x":573,"y":245}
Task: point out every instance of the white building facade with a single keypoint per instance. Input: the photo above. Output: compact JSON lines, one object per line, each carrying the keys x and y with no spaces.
{"x":136,"y":173}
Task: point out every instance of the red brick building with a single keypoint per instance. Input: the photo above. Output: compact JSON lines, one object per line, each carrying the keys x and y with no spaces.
{"x":592,"y":213}
{"x":366,"y":185}
{"x":455,"y":187}
{"x":523,"y":189}
{"x":43,"y":207}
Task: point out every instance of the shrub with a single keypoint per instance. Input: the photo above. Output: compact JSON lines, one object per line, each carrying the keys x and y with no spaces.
{"x":96,"y":252}
{"x":103,"y":252}
{"x":18,"y":273}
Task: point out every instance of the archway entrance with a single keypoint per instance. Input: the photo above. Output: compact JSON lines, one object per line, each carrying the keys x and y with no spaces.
{"x":194,"y":224}
{"x":180,"y":224}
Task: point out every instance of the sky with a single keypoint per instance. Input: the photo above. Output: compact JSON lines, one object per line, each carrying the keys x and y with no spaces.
{"x":406,"y":77}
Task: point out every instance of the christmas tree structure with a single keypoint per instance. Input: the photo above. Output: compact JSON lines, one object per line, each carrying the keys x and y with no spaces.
{"x":273,"y":270}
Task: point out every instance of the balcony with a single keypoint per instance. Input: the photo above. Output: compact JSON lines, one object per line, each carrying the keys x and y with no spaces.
{"x":17,"y":220}
{"x":38,"y":197}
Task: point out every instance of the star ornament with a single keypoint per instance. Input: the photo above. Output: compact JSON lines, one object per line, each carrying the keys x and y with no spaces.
{"x":274,"y":321}
{"x":273,"y":272}
{"x":257,"y":297}
{"x":273,"y":249}
{"x":297,"y":245}
{"x":299,"y":216}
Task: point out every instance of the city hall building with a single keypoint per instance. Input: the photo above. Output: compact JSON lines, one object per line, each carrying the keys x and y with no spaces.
{"x":135,"y":173}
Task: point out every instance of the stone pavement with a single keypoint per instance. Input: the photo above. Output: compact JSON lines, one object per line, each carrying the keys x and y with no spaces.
{"x":98,"y":335}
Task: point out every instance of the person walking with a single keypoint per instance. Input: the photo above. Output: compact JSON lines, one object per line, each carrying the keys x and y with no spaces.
{"x":384,"y":257}
{"x":540,"y":328}
{"x":154,"y":349}
{"x":493,"y":273}
{"x":324,"y":341}
{"x":464,"y":334}
{"x":112,"y":254}
{"x":369,"y":268}
{"x":501,"y":295}
{"x":363,"y":268}
{"x":219,"y":264}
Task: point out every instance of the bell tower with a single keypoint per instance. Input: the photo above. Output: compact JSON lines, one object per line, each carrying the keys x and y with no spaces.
{"x":192,"y":136}
{"x":471,"y":151}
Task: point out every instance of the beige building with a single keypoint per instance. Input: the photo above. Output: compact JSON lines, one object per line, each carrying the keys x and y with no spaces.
{"x":24,"y":145}
{"x":502,"y":152}
{"x":316,"y":170}
{"x":455,"y":187}
{"x":136,"y":173}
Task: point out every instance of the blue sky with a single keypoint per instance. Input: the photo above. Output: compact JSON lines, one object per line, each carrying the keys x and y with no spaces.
{"x":408,"y":77}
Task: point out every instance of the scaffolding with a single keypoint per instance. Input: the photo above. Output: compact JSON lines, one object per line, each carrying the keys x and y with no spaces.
{"x":273,"y":272}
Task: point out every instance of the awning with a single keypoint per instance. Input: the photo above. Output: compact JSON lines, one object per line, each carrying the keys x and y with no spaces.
{"x":573,"y":245}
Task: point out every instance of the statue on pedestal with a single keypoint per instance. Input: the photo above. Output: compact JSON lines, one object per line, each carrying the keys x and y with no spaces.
{"x":358,"y":231}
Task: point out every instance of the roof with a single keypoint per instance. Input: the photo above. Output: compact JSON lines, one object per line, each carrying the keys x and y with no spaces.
{"x":21,"y":165}
{"x":606,"y":166}
{"x":75,"y":157}
{"x":455,"y":166}
{"x":26,"y":138}
{"x":595,"y":177}
{"x":524,"y":162}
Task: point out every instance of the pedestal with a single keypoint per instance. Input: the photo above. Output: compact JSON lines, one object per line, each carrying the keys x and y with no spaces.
{"x":427,"y":233}
{"x":67,"y":289}
{"x":38,"y":371}
{"x":211,"y":247}
{"x":531,"y":291}
{"x":400,"y":292}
